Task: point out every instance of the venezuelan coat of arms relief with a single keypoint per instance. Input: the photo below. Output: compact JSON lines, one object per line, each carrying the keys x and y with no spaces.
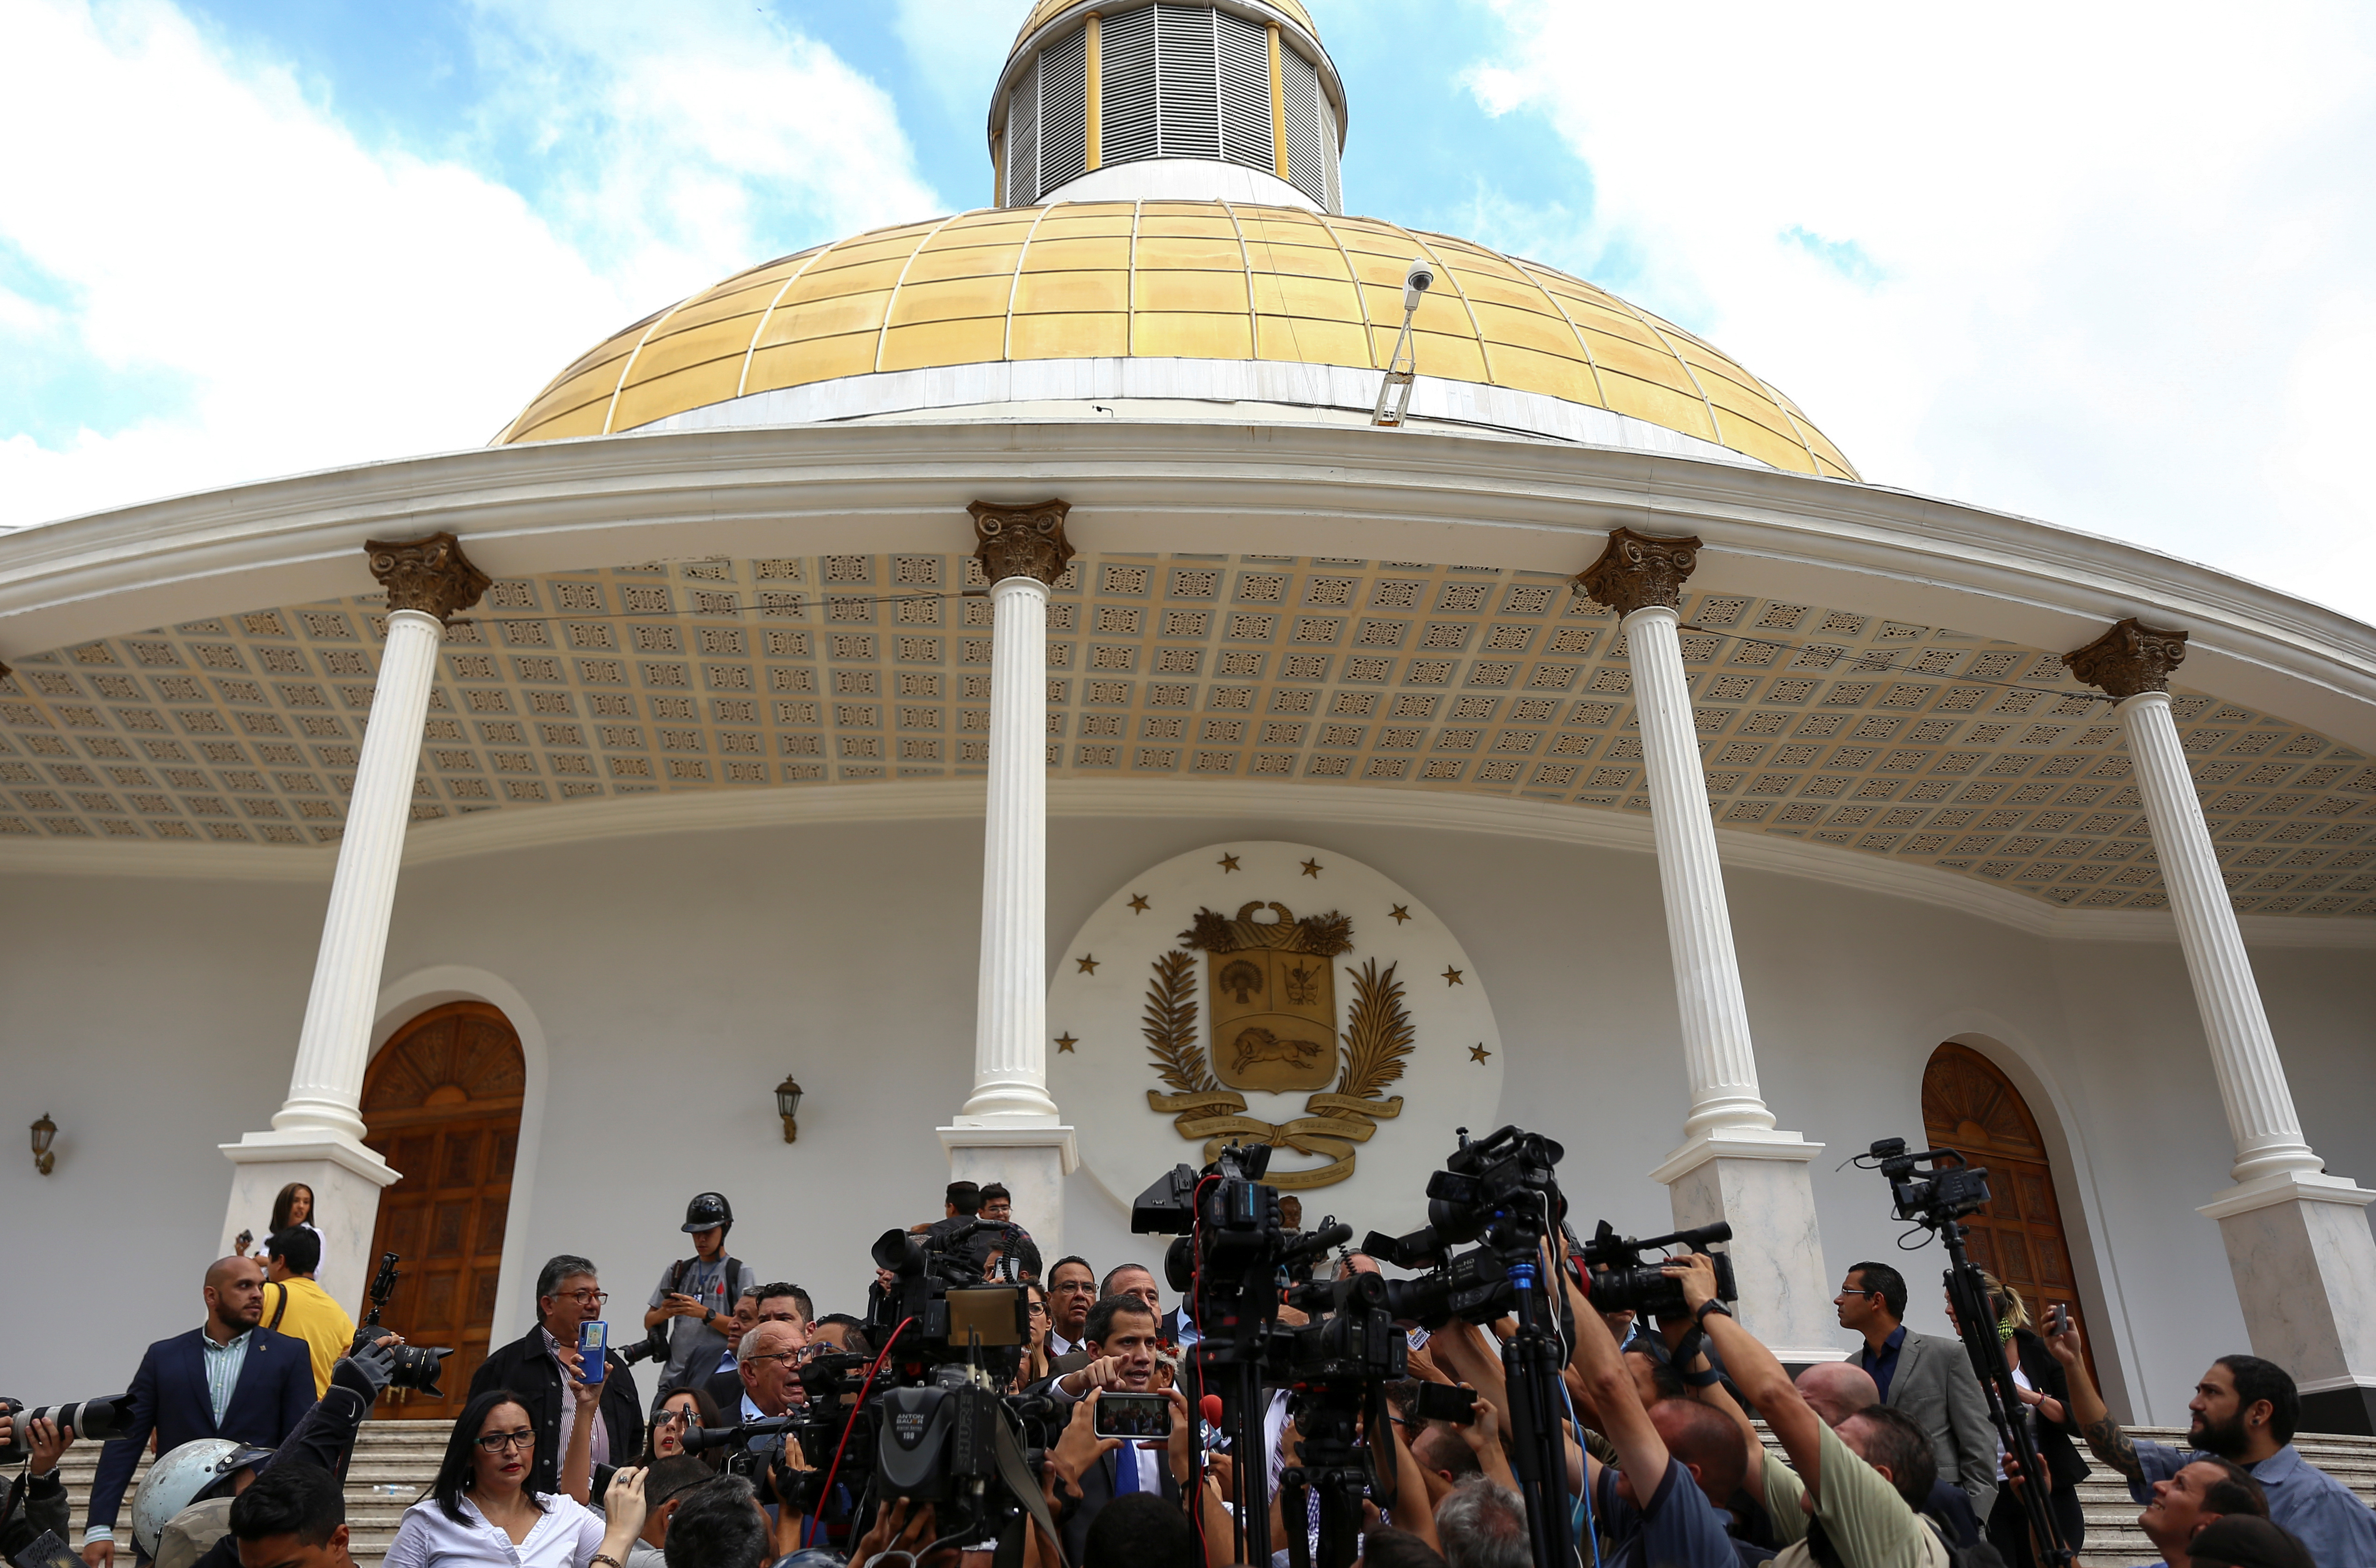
{"x":1270,"y":993}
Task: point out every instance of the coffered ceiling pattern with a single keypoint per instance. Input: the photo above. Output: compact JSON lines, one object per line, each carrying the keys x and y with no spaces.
{"x":1913,"y":742}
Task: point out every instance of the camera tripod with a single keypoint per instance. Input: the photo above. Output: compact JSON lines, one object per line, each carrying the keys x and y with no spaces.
{"x":1530,"y":1363}
{"x":1975,"y":1325}
{"x":1336,"y":1469}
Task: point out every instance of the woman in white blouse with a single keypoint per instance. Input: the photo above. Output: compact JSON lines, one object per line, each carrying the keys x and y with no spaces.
{"x":479,"y":1509}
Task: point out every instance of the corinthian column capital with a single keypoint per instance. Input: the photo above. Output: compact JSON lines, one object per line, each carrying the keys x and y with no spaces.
{"x":1021,"y":541}
{"x":1639,"y":570}
{"x":2130,"y":657}
{"x":429,"y":574}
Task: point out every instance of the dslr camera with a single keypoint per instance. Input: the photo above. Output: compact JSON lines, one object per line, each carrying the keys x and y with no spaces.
{"x":417,"y":1366}
{"x":1623,"y":1280}
{"x":97,"y":1420}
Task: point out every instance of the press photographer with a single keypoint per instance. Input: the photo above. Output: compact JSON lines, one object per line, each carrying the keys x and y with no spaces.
{"x":36,"y":1499}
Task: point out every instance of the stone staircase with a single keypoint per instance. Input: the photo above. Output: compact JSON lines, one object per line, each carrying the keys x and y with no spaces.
{"x":393,"y":1464}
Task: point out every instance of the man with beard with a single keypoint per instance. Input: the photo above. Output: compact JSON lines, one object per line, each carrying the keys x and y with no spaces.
{"x":2244,"y":1410}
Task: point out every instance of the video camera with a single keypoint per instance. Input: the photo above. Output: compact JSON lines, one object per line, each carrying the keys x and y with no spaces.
{"x":1932,"y":1197}
{"x":417,"y":1366}
{"x":1623,"y":1280}
{"x":935,"y":1425}
{"x":1504,"y":1190}
{"x":97,"y":1420}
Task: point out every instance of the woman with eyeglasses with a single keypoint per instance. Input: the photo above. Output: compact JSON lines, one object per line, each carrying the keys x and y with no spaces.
{"x":681,"y":1410}
{"x":481,"y":1508}
{"x":1036,"y":1368}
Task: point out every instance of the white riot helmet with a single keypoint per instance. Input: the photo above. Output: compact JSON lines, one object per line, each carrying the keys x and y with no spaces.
{"x":181,"y":1477}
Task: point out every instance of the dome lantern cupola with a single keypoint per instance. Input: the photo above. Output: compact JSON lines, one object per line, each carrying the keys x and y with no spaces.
{"x":1102,"y":99}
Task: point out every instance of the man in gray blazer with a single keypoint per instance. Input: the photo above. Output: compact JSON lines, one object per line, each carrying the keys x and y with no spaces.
{"x":1926,"y":1375}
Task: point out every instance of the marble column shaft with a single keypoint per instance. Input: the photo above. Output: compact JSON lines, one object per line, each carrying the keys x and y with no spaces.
{"x":326,"y":1087}
{"x":2252,"y":1085}
{"x":1720,"y":1062}
{"x":1011,"y":999}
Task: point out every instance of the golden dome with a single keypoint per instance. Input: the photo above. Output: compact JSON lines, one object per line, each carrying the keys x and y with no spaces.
{"x":1047,"y":10}
{"x":1188,"y":280}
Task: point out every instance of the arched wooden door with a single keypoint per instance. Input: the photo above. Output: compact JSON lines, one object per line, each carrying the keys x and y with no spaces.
{"x":442,"y":1102}
{"x":1971,"y":1106}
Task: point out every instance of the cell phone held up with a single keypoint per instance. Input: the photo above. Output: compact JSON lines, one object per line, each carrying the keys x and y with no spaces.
{"x":1133,"y":1415}
{"x":593,"y":1341}
{"x":1442,"y":1402}
{"x":2058,"y":1318}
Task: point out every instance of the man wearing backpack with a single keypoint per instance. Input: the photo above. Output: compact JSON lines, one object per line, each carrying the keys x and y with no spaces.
{"x":696,"y":1295}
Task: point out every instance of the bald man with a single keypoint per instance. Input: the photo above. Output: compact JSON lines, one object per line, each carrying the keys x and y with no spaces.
{"x":229,"y":1378}
{"x":1837,"y":1389}
{"x":768,"y":1363}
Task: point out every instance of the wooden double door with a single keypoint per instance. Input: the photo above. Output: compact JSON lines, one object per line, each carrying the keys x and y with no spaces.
{"x":1971,"y":1106}
{"x":442,"y":1103}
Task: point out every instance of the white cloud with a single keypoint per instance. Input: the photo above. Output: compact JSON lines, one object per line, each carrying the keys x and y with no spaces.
{"x":687,"y":142}
{"x":2100,"y":264}
{"x":958,"y":47}
{"x":303,"y":301}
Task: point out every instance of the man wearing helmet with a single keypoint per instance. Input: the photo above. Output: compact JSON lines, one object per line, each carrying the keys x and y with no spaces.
{"x":696,"y":1296}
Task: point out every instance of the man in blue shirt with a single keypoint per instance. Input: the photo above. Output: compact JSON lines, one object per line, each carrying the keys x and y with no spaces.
{"x":1650,"y":1506}
{"x":2244,"y":1410}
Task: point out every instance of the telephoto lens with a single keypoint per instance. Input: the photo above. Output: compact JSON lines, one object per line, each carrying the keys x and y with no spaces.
{"x":94,"y":1420}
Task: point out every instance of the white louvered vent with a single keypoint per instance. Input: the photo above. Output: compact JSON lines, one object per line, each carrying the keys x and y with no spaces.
{"x":1023,"y":139}
{"x":1243,"y":53}
{"x":1300,"y":84}
{"x":1127,"y":124}
{"x":1063,"y":73}
{"x":1188,"y":111}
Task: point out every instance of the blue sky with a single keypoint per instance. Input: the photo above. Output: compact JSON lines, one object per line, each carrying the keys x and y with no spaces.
{"x":2106,"y":265}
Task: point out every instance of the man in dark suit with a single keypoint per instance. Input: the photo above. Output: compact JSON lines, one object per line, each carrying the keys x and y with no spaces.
{"x":1928,"y":1376}
{"x":231,"y":1378}
{"x":568,"y":1293}
{"x":1121,"y":1342}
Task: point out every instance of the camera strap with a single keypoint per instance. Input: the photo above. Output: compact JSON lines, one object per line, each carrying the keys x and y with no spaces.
{"x":279,"y":1312}
{"x":1016,"y":1474}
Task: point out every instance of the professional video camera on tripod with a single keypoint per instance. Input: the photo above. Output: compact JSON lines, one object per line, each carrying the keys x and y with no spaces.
{"x":1231,"y":1262}
{"x":1502,"y":1192}
{"x":928,"y":1419}
{"x":1937,"y":1199}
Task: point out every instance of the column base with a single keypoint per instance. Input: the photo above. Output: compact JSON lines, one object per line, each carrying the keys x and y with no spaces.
{"x":346,"y":1178}
{"x":1032,"y":1162}
{"x":1757,"y":1182}
{"x":2304,"y":1264}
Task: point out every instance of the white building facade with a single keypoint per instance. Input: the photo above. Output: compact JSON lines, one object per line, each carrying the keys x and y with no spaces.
{"x":818,"y":674}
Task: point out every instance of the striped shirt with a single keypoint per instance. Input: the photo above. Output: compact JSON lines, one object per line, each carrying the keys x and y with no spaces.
{"x":223,"y":1364}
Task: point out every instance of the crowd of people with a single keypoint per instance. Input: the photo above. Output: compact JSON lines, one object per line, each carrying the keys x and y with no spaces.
{"x":1884,"y":1459}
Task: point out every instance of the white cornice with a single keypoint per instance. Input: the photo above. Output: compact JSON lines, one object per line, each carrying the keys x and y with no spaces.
{"x":491,"y":833}
{"x":1213,"y":486}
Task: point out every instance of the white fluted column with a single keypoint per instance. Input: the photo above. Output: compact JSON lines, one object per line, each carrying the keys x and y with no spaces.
{"x":1718,"y":1061}
{"x":2253,"y":1085}
{"x":1010,"y":1050}
{"x":2297,"y":1241}
{"x":1009,"y":1129}
{"x":1733,"y":1164}
{"x":316,"y":1136}
{"x":326,"y":1088}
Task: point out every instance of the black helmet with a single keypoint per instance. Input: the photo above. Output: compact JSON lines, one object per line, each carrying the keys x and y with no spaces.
{"x":708,"y":1211}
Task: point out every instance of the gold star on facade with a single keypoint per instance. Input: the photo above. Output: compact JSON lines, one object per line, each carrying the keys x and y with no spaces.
{"x":1401,"y":914}
{"x":1312,"y":868}
{"x":1228,"y":862}
{"x":1138,"y":903}
{"x":1451,"y":975}
{"x":1477,"y":1053}
{"x":1089,"y":964}
{"x":1064,"y":1042}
